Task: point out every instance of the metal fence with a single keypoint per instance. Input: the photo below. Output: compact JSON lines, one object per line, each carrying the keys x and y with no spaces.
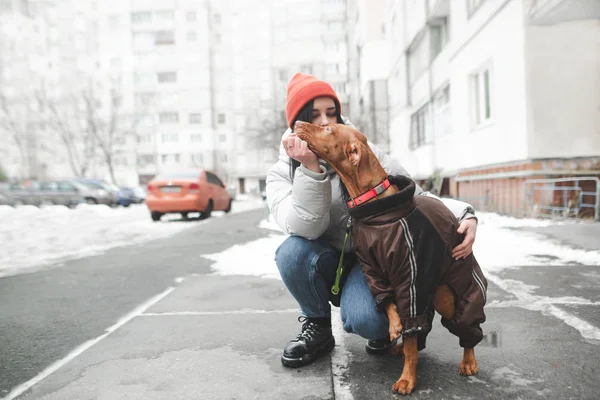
{"x":562,"y":197}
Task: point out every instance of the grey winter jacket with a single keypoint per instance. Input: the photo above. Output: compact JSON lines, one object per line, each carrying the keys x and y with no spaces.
{"x":312,"y":205}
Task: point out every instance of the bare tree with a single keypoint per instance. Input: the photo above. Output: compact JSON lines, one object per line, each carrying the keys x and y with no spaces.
{"x":266,"y":133}
{"x":64,"y":116}
{"x":11,"y":122}
{"x":107,"y":122}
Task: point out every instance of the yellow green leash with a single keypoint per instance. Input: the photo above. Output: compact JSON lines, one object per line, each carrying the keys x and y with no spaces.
{"x":340,"y":269}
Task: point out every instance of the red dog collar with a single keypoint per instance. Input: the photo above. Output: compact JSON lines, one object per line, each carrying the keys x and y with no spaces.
{"x":373,"y":192}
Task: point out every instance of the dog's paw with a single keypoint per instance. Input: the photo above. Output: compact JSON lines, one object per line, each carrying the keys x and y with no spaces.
{"x":398,"y":349}
{"x":468,"y":367}
{"x":404,"y":386}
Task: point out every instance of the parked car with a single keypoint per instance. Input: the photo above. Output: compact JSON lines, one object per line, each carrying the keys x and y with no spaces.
{"x":59,"y":193}
{"x":6,"y":200}
{"x":186,"y":192}
{"x":137,"y":195}
{"x":123,"y":198}
{"x":23,"y":194}
{"x":96,"y":192}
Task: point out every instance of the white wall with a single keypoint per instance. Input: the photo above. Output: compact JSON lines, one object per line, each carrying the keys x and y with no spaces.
{"x":499,"y":44}
{"x":563,"y":77}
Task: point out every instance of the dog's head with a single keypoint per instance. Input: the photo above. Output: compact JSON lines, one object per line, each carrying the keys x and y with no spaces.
{"x":343,"y":147}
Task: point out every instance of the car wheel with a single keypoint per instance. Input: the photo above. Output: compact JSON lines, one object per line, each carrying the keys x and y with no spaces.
{"x":184,"y":215}
{"x":229,"y":206}
{"x":155,"y":216}
{"x":91,"y":200}
{"x":206,"y":213}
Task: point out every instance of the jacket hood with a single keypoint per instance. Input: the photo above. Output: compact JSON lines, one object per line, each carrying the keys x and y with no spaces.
{"x":402,"y":201}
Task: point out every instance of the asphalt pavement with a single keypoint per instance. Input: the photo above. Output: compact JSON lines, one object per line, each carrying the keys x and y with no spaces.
{"x":153,"y":322}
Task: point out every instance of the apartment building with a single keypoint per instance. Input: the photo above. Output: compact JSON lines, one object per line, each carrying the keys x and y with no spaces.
{"x":490,"y":93}
{"x":23,"y":67}
{"x":368,"y":69}
{"x":310,"y":37}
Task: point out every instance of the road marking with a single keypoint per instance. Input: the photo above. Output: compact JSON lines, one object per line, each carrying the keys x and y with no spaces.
{"x":242,"y":311}
{"x":86,"y":345}
{"x":339,"y":359}
{"x":544,"y":304}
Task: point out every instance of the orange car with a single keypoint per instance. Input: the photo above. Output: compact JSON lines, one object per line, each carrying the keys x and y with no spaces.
{"x":185,"y":192}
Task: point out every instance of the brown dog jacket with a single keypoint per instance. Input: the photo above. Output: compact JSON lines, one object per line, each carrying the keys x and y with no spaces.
{"x":404,"y":243}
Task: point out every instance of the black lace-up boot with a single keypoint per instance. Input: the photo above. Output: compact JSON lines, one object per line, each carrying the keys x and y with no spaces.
{"x":315,"y":339}
{"x":380,"y":346}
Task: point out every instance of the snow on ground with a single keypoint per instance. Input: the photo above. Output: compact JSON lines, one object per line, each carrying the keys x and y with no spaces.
{"x":497,"y":247}
{"x":32,"y":237}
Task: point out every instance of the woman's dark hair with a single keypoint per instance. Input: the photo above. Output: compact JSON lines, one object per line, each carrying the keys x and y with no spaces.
{"x":306,"y":115}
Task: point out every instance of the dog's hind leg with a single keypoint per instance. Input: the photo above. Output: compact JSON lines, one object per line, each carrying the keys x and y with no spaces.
{"x":443,"y":302}
{"x":468,"y":364}
{"x":408,"y":379}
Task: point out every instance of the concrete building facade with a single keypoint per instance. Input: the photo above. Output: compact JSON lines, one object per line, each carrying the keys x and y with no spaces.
{"x":487,"y":94}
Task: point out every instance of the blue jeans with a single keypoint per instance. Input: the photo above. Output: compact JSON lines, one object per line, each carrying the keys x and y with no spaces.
{"x":308,"y":269}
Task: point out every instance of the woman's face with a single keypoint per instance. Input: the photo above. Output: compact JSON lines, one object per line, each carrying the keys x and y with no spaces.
{"x":324,"y":111}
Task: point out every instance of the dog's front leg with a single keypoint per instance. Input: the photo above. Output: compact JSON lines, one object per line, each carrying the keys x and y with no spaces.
{"x":408,"y":379}
{"x":395,"y":328}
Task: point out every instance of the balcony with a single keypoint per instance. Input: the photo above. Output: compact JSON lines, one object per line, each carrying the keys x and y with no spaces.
{"x":550,"y":12}
{"x":438,"y":9}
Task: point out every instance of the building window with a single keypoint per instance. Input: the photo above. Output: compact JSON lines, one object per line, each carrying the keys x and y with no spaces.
{"x":164,"y":15}
{"x":473,"y":6}
{"x":481,"y":92}
{"x":145,"y":99}
{"x":442,"y":123}
{"x":307,"y":69}
{"x":195,"y":118}
{"x":196,"y":138}
{"x":222,"y":138}
{"x":283,"y":76}
{"x":169,"y":138}
{"x":339,"y":87}
{"x":438,"y":35}
{"x":217,"y":39}
{"x":420,"y":130}
{"x":217,"y":19}
{"x":141,"y":16}
{"x":224,"y":158}
{"x":177,"y":157}
{"x":190,"y":16}
{"x":168,"y":118}
{"x":164,"y":38}
{"x":417,"y":60}
{"x":191,"y":36}
{"x":113,"y":21}
{"x":164,"y":158}
{"x":197,"y":159}
{"x":144,"y":138}
{"x":221,"y":118}
{"x":145,"y":160}
{"x":166,"y":77}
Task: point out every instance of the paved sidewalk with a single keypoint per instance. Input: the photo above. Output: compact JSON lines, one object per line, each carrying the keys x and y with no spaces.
{"x":218,"y":337}
{"x":583,"y":234}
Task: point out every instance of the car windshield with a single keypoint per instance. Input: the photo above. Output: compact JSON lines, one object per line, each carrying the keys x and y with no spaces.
{"x":179,"y":175}
{"x":81,"y":186}
{"x":92,"y":185}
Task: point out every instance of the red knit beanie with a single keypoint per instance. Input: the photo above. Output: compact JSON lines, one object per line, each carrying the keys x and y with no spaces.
{"x":303,"y":88}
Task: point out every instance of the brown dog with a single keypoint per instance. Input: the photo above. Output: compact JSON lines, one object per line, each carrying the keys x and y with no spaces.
{"x":404,"y":244}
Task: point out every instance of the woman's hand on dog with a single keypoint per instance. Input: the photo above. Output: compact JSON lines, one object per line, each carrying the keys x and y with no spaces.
{"x":297,"y":149}
{"x":469,"y":228}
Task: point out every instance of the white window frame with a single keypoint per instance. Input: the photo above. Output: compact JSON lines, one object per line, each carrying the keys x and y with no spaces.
{"x":482,"y":96}
{"x":442,"y":111}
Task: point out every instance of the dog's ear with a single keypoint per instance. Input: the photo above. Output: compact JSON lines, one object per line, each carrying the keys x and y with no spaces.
{"x":353,"y":153}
